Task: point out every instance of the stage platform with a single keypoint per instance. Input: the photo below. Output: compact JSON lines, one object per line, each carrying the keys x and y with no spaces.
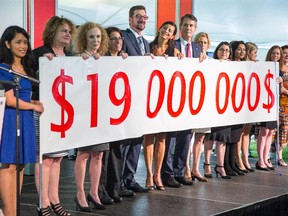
{"x":253,"y":194}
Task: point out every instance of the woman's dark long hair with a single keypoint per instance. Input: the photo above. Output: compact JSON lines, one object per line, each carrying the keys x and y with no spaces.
{"x":6,"y":56}
{"x":234,"y":45}
{"x":170,"y":41}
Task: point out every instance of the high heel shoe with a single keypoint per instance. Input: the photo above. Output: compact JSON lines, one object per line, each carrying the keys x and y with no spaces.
{"x":281,"y":162}
{"x":261,"y":168}
{"x":149,"y":187}
{"x":59,"y":210}
{"x":231,"y":172}
{"x":270,"y":167}
{"x":158,"y":187}
{"x":242,"y":170}
{"x":217,"y":172}
{"x":81,"y":208}
{"x":249,"y":169}
{"x":207,"y":175}
{"x":96,"y":204}
{"x":44,"y":211}
{"x":199,"y":178}
{"x":238,"y":171}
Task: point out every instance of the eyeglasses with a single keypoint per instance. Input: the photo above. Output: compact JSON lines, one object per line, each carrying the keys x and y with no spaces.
{"x":138,"y":16}
{"x":117,"y":38}
{"x":224,"y":50}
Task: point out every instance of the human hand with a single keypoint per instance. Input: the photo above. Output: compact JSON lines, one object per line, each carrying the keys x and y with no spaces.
{"x":202,"y":57}
{"x":149,"y":54}
{"x":49,"y":55}
{"x":180,"y":55}
{"x":124,"y":55}
{"x":279,"y":79}
{"x":38,"y":107}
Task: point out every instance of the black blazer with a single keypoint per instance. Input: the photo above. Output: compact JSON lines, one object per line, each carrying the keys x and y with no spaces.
{"x":130,"y":45}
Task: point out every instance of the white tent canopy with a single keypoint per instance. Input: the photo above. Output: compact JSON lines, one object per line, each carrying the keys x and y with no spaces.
{"x":260,"y":21}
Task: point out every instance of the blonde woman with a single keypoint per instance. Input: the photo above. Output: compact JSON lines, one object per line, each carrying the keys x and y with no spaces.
{"x":267,"y":129}
{"x":203,"y":40}
{"x":91,"y":41}
{"x":251,"y":51}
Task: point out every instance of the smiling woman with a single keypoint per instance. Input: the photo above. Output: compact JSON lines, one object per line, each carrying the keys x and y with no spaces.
{"x":16,"y":54}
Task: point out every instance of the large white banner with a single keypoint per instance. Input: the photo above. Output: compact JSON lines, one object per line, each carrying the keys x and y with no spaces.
{"x":96,"y":101}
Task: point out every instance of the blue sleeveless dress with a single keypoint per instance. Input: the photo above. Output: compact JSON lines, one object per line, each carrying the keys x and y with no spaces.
{"x":27,"y":130}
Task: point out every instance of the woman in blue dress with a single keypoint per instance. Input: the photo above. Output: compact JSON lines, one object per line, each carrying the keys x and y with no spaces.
{"x":15,"y":54}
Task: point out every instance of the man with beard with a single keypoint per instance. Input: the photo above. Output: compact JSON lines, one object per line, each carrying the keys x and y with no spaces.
{"x":135,"y":45}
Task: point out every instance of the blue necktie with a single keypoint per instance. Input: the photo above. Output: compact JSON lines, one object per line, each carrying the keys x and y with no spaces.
{"x":141,"y":44}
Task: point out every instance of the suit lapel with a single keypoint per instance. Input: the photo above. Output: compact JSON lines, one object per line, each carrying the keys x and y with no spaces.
{"x":196,"y":50}
{"x":133,"y":41}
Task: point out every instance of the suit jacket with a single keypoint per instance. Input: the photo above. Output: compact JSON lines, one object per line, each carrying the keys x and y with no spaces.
{"x":130,"y":45}
{"x":196,"y":49}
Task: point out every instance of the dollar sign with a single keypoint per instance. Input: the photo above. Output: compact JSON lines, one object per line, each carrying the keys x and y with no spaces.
{"x":65,"y":105}
{"x":271,"y":96}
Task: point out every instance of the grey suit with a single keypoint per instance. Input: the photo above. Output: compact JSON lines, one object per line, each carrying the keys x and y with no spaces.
{"x":131,"y":147}
{"x":131,"y":46}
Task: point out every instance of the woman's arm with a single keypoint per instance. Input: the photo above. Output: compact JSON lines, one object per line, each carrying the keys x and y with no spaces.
{"x":178,"y":54}
{"x":23,"y":105}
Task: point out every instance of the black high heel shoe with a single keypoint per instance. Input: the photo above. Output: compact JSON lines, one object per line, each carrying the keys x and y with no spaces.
{"x":249,"y":169}
{"x":238,"y":171}
{"x":81,"y":208}
{"x":244,"y":171}
{"x":96,"y":204}
{"x":270,"y":167}
{"x":158,"y":187}
{"x":59,"y":210}
{"x":199,"y":178}
{"x":217,"y":172}
{"x":261,"y":168}
{"x":207,"y":175}
{"x":44,"y":211}
{"x":231,"y":172}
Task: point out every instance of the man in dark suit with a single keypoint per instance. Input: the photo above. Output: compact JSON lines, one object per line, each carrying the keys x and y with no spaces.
{"x":173,"y":166}
{"x":135,"y":45}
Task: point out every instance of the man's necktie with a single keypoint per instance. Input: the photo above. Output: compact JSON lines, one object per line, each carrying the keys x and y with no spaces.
{"x":141,"y":44}
{"x":188,"y":50}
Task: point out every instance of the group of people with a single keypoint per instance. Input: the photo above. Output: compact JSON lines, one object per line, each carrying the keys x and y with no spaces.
{"x":112,"y":166}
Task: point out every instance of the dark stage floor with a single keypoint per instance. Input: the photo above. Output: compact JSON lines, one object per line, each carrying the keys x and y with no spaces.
{"x":214,"y":197}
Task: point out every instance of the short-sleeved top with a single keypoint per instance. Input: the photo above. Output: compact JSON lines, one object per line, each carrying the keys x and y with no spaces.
{"x":27,"y":145}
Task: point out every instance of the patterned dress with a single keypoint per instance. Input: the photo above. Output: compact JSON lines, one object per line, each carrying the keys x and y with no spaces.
{"x":283,"y":113}
{"x":27,"y":143}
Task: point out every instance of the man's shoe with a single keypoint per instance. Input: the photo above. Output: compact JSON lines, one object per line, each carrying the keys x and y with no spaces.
{"x":184,"y":180}
{"x":171,"y":182}
{"x":124,"y":192}
{"x":117,"y":199}
{"x":137,"y":188}
{"x":106,"y":200}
